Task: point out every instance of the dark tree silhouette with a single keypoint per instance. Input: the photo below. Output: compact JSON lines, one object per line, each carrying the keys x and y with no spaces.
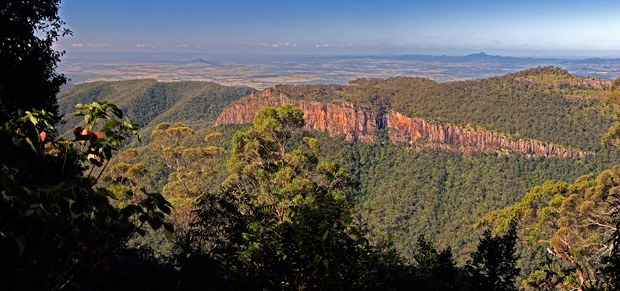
{"x":27,"y":60}
{"x":434,"y":270}
{"x":493,"y":265}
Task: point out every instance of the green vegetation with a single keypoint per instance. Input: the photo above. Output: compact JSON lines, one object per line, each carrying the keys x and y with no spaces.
{"x":285,"y":220}
{"x":301,"y":231}
{"x":572,"y":222}
{"x":406,"y":193}
{"x":613,"y":134}
{"x":57,"y":225}
{"x":195,"y":104}
{"x":285,"y":216}
{"x":546,"y":104}
{"x":509,"y":104}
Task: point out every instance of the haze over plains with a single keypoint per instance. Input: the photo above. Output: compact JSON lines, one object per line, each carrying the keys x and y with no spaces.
{"x":319,"y":27}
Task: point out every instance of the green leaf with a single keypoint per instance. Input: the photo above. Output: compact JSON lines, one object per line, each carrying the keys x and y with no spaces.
{"x":107,"y":153}
{"x":155,"y":221}
{"x":97,"y":105}
{"x":62,"y":186}
{"x":100,"y":140}
{"x":130,"y":210}
{"x":107,"y":193}
{"x":112,"y":123}
{"x":78,"y":209}
{"x":164,"y":208}
{"x":29,"y":142}
{"x":21,"y":242}
{"x":116,"y":111}
{"x":33,"y":119}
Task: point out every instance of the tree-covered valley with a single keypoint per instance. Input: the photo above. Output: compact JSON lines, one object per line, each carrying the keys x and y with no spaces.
{"x":403,"y":183}
{"x":403,"y":190}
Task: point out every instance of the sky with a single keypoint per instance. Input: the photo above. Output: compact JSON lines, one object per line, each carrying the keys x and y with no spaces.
{"x":341,"y":27}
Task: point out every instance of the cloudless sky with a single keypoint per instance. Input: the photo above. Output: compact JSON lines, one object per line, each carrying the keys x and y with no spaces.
{"x":517,"y":27}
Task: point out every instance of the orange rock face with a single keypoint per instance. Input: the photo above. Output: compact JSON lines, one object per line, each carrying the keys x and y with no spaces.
{"x":361,"y":124}
{"x":466,"y":139}
{"x":355,"y":122}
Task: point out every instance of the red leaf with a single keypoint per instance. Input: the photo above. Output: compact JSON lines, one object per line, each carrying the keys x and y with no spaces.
{"x":94,"y":136}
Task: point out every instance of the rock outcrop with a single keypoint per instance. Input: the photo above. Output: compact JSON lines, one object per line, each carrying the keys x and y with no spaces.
{"x":356,"y":122}
{"x":362,"y":124}
{"x":467,"y":139}
{"x":584,"y":83}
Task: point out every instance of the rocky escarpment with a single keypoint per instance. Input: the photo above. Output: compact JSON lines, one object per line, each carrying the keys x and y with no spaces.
{"x":356,"y":122}
{"x":467,"y":139}
{"x":362,"y":124}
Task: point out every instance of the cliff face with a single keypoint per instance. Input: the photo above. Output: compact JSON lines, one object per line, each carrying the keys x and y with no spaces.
{"x":356,"y":122}
{"x":361,"y":124}
{"x":468,"y":140}
{"x":584,"y":83}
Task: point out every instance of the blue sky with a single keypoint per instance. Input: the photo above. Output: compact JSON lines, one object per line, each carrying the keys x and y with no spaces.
{"x":344,"y":27}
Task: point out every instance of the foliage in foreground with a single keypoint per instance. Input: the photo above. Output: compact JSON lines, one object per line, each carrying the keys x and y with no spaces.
{"x":571,"y":221}
{"x":27,"y":58}
{"x":56,"y":224}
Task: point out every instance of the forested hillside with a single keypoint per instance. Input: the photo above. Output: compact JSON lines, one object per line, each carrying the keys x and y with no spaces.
{"x":149,"y":102}
{"x":546,"y":104}
{"x":405,"y":192}
{"x":441,"y":194}
{"x":396,"y":184}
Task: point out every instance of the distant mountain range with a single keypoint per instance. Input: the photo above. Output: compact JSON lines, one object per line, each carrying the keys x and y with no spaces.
{"x":479,"y":57}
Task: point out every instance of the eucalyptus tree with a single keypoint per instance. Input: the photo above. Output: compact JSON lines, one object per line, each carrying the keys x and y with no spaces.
{"x":303,"y":231}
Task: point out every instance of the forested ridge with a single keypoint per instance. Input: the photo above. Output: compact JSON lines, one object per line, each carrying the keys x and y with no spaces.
{"x":546,"y":104}
{"x":404,"y":192}
{"x":150,"y":102}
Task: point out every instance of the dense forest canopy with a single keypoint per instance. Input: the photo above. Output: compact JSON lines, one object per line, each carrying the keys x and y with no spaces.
{"x":197,"y":104}
{"x":403,"y":192}
{"x":269,"y":205}
{"x":547,"y":103}
{"x":435,"y":193}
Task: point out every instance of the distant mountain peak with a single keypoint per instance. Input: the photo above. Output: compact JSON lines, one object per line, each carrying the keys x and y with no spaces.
{"x":481,"y":55}
{"x":199,"y":60}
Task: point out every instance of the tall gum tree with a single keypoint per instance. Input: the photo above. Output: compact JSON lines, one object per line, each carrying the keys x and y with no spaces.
{"x":302,"y":231}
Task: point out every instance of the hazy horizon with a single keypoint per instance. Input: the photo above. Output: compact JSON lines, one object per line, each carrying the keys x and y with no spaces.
{"x":569,"y":29}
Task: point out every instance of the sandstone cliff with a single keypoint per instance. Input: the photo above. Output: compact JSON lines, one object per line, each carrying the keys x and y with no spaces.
{"x":362,"y":124}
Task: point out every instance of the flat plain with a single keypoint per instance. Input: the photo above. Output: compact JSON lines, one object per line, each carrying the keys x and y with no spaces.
{"x":261,"y":71}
